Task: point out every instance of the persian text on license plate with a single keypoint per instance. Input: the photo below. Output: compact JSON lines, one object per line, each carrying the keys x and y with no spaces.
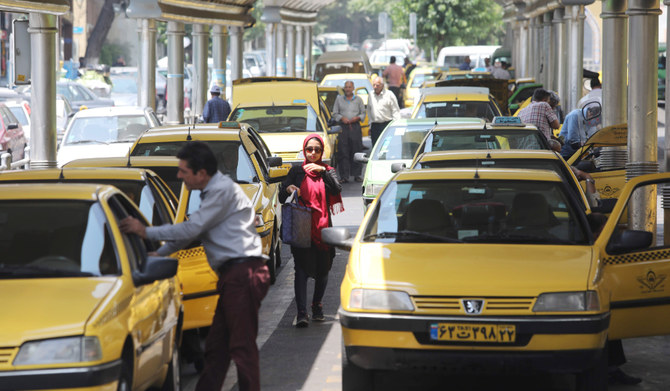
{"x":502,"y":333}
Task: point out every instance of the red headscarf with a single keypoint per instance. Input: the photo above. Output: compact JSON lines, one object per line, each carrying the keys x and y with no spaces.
{"x":313,"y":194}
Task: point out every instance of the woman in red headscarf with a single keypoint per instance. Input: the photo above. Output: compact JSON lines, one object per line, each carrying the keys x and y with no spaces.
{"x":318,"y":187}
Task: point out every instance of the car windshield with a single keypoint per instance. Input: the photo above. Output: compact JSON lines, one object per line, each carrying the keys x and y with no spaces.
{"x":106,"y":129}
{"x":419,"y":78}
{"x":385,"y":57}
{"x":484,"y":139}
{"x":340,"y":82}
{"x":73,"y":240}
{"x":19,"y":114}
{"x":482,"y":211}
{"x":232,"y":157}
{"x":124,"y":85}
{"x":400,"y":142}
{"x":478,"y":109}
{"x":279,"y":118}
{"x":74,"y":93}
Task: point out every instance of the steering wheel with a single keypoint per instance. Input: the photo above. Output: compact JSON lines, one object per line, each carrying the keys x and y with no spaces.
{"x":56,"y":262}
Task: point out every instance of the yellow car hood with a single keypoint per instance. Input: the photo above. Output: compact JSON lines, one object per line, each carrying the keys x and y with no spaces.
{"x":473,"y":269}
{"x":46,"y":308}
{"x":285,"y":142}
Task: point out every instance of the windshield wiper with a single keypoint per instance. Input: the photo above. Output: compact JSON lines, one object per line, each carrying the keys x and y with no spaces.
{"x":406,"y":234}
{"x":32,"y":271}
{"x":514,"y":238}
{"x":87,"y":142}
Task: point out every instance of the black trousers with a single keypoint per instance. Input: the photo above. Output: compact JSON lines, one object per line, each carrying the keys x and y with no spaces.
{"x":376,"y":129}
{"x":398,"y":96}
{"x":349,"y":142}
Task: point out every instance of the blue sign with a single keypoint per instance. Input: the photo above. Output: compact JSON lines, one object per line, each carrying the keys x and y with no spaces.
{"x":77,"y":30}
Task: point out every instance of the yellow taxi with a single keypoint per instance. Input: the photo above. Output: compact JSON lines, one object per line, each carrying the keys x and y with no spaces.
{"x":604,"y":155}
{"x":503,"y":133}
{"x":417,"y":77}
{"x":284,"y":110}
{"x":527,"y":159}
{"x":456,"y":102}
{"x":84,"y":305}
{"x":496,"y":269}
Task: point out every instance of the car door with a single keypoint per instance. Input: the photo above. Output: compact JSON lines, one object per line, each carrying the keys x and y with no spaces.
{"x":635,"y":274}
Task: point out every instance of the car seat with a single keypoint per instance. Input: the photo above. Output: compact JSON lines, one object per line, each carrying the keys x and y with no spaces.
{"x":530,"y":212}
{"x":428,"y":216}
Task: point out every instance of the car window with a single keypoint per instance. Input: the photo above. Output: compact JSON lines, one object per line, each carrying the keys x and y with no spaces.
{"x":106,"y":129}
{"x":137,"y":247}
{"x":489,"y":139}
{"x":169,"y":196}
{"x":279,"y":118}
{"x":399,"y":142}
{"x":19,"y":114}
{"x":419,"y":78}
{"x":478,"y":109}
{"x":488,"y":211}
{"x":74,"y":239}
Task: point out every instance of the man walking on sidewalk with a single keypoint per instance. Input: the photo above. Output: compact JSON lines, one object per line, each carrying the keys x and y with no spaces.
{"x":349,"y":111}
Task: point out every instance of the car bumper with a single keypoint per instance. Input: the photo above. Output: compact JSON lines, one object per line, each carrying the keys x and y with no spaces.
{"x":545,"y":343}
{"x":101,"y":376}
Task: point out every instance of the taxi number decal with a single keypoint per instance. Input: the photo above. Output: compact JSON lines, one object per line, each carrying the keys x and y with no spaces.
{"x":503,"y":333}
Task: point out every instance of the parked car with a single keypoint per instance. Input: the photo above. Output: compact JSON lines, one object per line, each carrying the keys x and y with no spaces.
{"x":84,"y":305}
{"x":104,"y":132}
{"x":350,"y":61}
{"x":11,"y":134}
{"x":456,"y":102}
{"x":21,"y":110}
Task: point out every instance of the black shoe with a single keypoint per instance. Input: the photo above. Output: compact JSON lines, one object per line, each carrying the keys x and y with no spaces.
{"x":302,"y":321}
{"x":343,"y":180}
{"x":618,"y":376}
{"x":317,"y":313}
{"x":358,"y":179}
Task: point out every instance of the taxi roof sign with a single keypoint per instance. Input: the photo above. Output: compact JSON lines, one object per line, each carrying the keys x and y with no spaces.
{"x":229,"y":124}
{"x":507,"y":121}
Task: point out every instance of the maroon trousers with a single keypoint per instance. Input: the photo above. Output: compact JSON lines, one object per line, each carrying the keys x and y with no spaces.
{"x":234,"y":328}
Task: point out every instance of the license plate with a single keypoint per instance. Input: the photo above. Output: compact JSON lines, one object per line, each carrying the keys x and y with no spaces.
{"x":501,"y":333}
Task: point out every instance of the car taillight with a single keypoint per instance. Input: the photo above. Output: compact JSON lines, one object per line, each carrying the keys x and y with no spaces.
{"x":27,"y":106}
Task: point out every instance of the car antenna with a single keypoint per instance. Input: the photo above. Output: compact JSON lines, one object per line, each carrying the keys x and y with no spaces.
{"x":188,"y":136}
{"x":128,"y":163}
{"x":61,"y":176}
{"x":476,"y":168}
{"x":488,"y":155}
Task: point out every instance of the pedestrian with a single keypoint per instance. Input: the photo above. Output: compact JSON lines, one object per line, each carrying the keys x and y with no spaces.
{"x":382,"y":108}
{"x":579,"y":125}
{"x":540,"y":113}
{"x":225,"y":224}
{"x":318,"y":188}
{"x":349,"y":111}
{"x":555,"y":103}
{"x":216,"y":109}
{"x":487,"y":64}
{"x":465,"y":66}
{"x":498,"y":72}
{"x":409,"y":67}
{"x":595,"y":95}
{"x":395,"y":76}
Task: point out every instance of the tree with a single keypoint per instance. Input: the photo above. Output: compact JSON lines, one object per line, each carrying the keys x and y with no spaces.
{"x":99,"y":33}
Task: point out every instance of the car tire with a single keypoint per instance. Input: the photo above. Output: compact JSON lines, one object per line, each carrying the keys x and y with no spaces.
{"x":355,"y":378}
{"x":596,"y":377}
{"x":125,"y":378}
{"x":172,"y":380}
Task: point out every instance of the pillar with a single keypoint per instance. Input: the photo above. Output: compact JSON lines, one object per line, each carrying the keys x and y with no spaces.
{"x":219,"y":55}
{"x":575,"y":55}
{"x":270,"y":52}
{"x":308,"y":52}
{"x":236,"y":58}
{"x":615,"y":71}
{"x":300,"y":52}
{"x":290,"y":50}
{"x":561,"y":59}
{"x":199,"y":83}
{"x":281,"y":50}
{"x":147,"y":90}
{"x":175,"y":76}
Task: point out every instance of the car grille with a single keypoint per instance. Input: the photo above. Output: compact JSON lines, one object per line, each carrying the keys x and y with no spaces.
{"x":6,"y":357}
{"x":492,"y":305}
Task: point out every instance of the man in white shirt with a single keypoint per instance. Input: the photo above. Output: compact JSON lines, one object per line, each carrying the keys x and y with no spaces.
{"x":595,"y":95}
{"x":382,"y":108}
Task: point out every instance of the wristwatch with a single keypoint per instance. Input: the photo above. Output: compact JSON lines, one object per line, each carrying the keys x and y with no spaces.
{"x":589,"y":180}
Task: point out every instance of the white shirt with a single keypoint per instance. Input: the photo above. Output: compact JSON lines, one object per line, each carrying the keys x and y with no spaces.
{"x":596,"y":95}
{"x":383,"y":107}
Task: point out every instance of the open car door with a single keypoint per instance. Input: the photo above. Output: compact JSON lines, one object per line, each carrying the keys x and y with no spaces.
{"x":635,"y":256}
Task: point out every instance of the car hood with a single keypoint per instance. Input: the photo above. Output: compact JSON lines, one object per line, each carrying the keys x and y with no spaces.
{"x":379,"y":171}
{"x":285,"y":142}
{"x":473,"y":269}
{"x":47,"y":308}
{"x":67,"y":153}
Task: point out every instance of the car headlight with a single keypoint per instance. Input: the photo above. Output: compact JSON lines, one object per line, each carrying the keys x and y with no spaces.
{"x":258,"y":220}
{"x":60,"y":350}
{"x":373,"y":299}
{"x":567,"y":301}
{"x":373,"y":189}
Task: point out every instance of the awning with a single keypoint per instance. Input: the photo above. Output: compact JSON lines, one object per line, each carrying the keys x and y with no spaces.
{"x":54,"y":7}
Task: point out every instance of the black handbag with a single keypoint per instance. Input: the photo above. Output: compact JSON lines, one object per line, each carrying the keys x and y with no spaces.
{"x":296,"y":229}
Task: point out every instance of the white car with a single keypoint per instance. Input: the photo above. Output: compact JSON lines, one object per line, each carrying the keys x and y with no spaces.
{"x":104,"y":132}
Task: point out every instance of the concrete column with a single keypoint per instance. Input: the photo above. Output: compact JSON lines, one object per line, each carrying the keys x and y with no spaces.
{"x":290,"y":50}
{"x":219,"y":54}
{"x":615,"y":71}
{"x":236,"y":57}
{"x":561,"y":59}
{"x":199,"y":83}
{"x":270,"y":52}
{"x":523,"y":67}
{"x":549,"y":52}
{"x":575,"y":55}
{"x":308,"y":52}
{"x":643,"y":110}
{"x":43,"y":29}
{"x":175,"y":76}
{"x":299,"y":52}
{"x":537,"y":47}
{"x":281,"y":50}
{"x":147,"y":90}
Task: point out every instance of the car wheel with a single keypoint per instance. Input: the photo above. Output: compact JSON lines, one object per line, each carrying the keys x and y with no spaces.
{"x":172,"y":380}
{"x":355,"y":378}
{"x":594,"y":378}
{"x":125,"y":379}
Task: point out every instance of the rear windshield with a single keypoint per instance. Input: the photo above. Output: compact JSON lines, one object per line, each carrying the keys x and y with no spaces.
{"x":106,"y":130}
{"x":477,"y":109}
{"x":487,"y":139}
{"x":279,"y":119}
{"x":400,"y":142}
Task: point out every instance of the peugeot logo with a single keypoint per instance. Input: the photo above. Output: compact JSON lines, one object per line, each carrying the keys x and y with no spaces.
{"x":473,"y":307}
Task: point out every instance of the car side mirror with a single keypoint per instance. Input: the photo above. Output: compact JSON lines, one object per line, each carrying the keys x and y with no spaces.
{"x":361,"y":157}
{"x":338,"y":237}
{"x":335,"y":129}
{"x":275,"y":161}
{"x":278,"y":174}
{"x":396,"y":167}
{"x":155,"y":268}
{"x":629,"y":240}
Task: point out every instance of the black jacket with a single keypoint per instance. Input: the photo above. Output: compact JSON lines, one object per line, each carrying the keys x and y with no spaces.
{"x":297,"y":174}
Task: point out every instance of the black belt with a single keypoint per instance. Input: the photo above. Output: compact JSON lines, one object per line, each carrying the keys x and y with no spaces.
{"x":235,"y":261}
